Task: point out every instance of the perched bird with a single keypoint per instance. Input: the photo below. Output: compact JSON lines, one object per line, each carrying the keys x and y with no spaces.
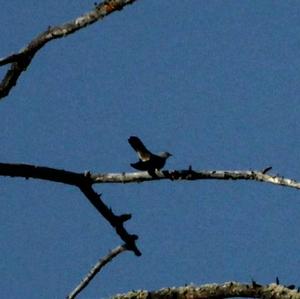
{"x":147,"y":161}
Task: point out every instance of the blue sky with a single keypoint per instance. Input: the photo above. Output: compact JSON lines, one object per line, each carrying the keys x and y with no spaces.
{"x":216,"y":83}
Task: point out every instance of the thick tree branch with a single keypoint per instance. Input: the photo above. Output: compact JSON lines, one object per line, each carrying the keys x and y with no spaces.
{"x":218,"y":291}
{"x":96,"y":268}
{"x":20,"y":61}
{"x":43,"y":173}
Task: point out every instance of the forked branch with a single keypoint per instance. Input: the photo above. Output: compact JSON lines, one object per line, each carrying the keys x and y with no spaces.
{"x":84,"y":183}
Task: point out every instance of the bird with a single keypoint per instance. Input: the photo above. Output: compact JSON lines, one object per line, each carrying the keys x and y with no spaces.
{"x":147,"y":160}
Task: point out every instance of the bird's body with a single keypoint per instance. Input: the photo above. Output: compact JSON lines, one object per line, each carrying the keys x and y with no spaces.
{"x":147,"y":161}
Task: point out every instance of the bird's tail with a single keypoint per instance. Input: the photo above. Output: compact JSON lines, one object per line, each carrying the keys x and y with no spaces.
{"x":138,"y":146}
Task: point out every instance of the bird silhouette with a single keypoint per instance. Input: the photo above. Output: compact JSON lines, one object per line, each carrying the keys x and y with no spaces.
{"x":147,"y":160}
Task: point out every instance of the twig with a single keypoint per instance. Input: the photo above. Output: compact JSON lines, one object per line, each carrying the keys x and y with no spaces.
{"x":96,"y":268}
{"x":20,"y":61}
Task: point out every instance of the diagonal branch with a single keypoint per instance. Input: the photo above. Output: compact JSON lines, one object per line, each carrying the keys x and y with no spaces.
{"x":117,"y":222}
{"x":96,"y":268}
{"x":21,"y":60}
{"x":84,"y":183}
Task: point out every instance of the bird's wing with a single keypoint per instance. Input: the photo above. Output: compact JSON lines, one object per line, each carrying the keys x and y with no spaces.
{"x":143,"y":153}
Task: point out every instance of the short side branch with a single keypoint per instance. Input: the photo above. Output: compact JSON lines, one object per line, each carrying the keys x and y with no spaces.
{"x":20,"y":61}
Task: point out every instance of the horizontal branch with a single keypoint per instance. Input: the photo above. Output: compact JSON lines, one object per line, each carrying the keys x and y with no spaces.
{"x":95,"y":269}
{"x":43,"y":173}
{"x":21,"y":60}
{"x":213,"y":291}
{"x":192,"y":175}
{"x":74,"y":178}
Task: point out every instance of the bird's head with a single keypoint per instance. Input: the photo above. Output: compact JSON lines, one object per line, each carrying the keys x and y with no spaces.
{"x":165,"y":155}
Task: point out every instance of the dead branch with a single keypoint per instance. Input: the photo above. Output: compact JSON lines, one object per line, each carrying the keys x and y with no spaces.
{"x":96,"y":268}
{"x":116,"y":221}
{"x":73,"y":178}
{"x":192,"y":175}
{"x":213,"y":291}
{"x":21,"y":60}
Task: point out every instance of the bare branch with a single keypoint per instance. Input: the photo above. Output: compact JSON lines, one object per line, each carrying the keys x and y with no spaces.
{"x":96,"y":268}
{"x":213,"y":291}
{"x":117,"y":222}
{"x":192,"y":175}
{"x":73,"y":178}
{"x":20,"y":61}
